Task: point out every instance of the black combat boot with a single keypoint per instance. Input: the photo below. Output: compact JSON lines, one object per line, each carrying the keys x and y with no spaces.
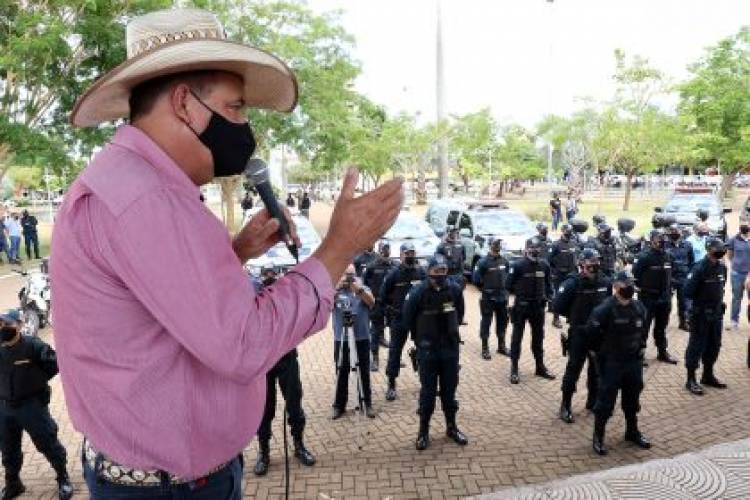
{"x":13,"y":487}
{"x":64,"y":487}
{"x":633,"y":435}
{"x":423,"y":438}
{"x":598,"y":441}
{"x":566,"y":414}
{"x":693,"y":386}
{"x":374,"y":365}
{"x":501,"y":349}
{"x":709,"y":379}
{"x":485,"y":349}
{"x":390,"y":394}
{"x":303,"y":454}
{"x":514,"y":378}
{"x":683,"y":324}
{"x":590,"y":400}
{"x":665,"y":357}
{"x":451,"y":430}
{"x":264,"y":458}
{"x":542,"y":371}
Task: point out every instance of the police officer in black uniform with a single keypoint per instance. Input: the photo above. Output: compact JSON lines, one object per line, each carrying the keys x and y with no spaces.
{"x":286,"y":372}
{"x":455,"y":255}
{"x":363,"y":260}
{"x":682,"y":262}
{"x":530,"y":281}
{"x":26,"y":366}
{"x":543,"y":237}
{"x":653,"y":276}
{"x":373,"y":278}
{"x":432,"y":310}
{"x":490,"y":274}
{"x":705,"y":288}
{"x":616,"y":331}
{"x":393,"y":293}
{"x":562,"y":261}
{"x":576,"y":298}
{"x":605,"y":244}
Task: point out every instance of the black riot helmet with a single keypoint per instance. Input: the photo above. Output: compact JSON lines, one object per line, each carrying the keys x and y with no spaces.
{"x":674,"y":232}
{"x":384,"y":249}
{"x":496,"y":244}
{"x":605,"y":232}
{"x":566,"y":230}
{"x":534,"y":248}
{"x":598,"y":219}
{"x":588,"y":261}
{"x":542,"y":229}
{"x":702,"y":214}
{"x":716,"y":247}
{"x":656,"y":221}
{"x":656,"y":239}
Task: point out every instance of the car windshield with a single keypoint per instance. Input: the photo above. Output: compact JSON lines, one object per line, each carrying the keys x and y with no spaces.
{"x":683,"y":204}
{"x":408,"y":227}
{"x":502,"y":223}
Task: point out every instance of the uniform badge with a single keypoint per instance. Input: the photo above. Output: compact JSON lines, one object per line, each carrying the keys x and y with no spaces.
{"x":638,"y":323}
{"x":561,"y":289}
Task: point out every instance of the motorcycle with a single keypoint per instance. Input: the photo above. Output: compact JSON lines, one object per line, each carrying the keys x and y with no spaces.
{"x":35,"y":302}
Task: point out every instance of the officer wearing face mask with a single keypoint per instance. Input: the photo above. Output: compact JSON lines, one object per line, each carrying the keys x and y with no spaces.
{"x":373,"y":278}
{"x":605,"y":244}
{"x":682,"y":258}
{"x":576,"y":298}
{"x":705,"y":288}
{"x":542,"y":236}
{"x":455,"y":255}
{"x":616,"y":331}
{"x":653,"y":275}
{"x":432,"y":312}
{"x":490,"y":274}
{"x":562,"y":260}
{"x":530,"y":281}
{"x":286,"y":372}
{"x":26,"y":366}
{"x":364,"y":259}
{"x":393,"y":293}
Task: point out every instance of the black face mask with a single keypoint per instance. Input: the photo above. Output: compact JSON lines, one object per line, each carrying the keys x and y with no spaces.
{"x":591,"y":270}
{"x":439,"y":280}
{"x":745,"y":229}
{"x":410,"y":261}
{"x":534,"y":254}
{"x":7,"y":333}
{"x":626,"y":292}
{"x":718,"y":254}
{"x":231,"y":144}
{"x":674,"y":236}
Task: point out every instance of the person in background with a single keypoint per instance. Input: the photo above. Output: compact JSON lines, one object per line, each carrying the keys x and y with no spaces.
{"x":290,"y":201}
{"x":13,"y":228}
{"x":571,"y":206}
{"x":30,"y":235}
{"x":555,"y":209}
{"x":304,"y":205}
{"x":738,"y":255}
{"x":247,"y":201}
{"x":698,"y":240}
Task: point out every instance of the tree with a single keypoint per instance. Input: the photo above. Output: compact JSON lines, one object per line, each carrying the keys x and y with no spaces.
{"x":518,"y":156}
{"x":717,"y":101}
{"x":473,"y":138}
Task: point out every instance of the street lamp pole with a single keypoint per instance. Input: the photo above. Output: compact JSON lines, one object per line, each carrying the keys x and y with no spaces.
{"x":440,"y":94}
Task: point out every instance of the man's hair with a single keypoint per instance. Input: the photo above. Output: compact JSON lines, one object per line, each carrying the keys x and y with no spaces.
{"x":144,"y":95}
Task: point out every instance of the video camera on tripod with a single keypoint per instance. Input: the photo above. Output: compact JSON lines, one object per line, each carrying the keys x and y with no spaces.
{"x":343,"y":303}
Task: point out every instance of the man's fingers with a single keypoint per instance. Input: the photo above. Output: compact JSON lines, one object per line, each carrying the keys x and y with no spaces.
{"x":270,"y":228}
{"x":385,"y":190}
{"x":350,"y":183}
{"x":293,"y":236}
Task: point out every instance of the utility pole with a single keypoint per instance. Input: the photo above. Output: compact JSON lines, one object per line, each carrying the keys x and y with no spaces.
{"x":440,"y":92}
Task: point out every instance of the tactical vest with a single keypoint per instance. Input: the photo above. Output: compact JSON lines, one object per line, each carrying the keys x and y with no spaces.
{"x":590,"y":293}
{"x":407,"y":277}
{"x":377,"y":274}
{"x":607,"y":254}
{"x":454,"y":256}
{"x":495,"y":275}
{"x":564,"y":261}
{"x":624,"y":333}
{"x":679,"y":253}
{"x":544,"y":254}
{"x":20,"y":377}
{"x":530,"y":285}
{"x":710,"y":292}
{"x":437,"y":322}
{"x":657,"y":276}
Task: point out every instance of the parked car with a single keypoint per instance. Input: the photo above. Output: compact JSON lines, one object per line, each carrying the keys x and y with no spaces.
{"x":685,"y":204}
{"x":438,"y":211}
{"x":409,"y":227}
{"x":278,"y":255}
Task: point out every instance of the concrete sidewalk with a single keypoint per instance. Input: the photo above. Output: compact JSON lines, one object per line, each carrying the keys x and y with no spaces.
{"x":721,"y":471}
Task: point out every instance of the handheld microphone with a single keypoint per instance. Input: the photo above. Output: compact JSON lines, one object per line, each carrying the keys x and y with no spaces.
{"x":256,"y":172}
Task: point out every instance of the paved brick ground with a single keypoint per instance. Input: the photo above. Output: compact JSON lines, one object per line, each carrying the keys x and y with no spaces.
{"x":516,"y":438}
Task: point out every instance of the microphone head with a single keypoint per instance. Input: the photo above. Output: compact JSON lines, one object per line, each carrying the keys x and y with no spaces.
{"x":256,"y":171}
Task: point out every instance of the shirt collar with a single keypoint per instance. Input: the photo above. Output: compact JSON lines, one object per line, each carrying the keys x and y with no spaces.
{"x":137,"y":141}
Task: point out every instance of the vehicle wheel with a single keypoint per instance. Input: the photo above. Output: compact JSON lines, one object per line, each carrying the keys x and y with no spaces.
{"x":31,"y":322}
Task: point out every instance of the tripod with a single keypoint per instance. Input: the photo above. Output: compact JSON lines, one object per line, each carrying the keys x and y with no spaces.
{"x":348,"y":338}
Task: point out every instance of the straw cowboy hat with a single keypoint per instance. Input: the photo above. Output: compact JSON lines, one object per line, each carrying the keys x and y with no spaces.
{"x":172,"y":41}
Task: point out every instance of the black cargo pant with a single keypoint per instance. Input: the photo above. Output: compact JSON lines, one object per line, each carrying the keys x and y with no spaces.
{"x":533,"y":312}
{"x":377,"y":327}
{"x":490,"y":306}
{"x":578,"y":354}
{"x":32,"y":416}
{"x":682,"y":301}
{"x":624,"y":375}
{"x":438,"y":366}
{"x":395,"y":349}
{"x":657,"y":314}
{"x":286,"y":371}
{"x":704,"y":343}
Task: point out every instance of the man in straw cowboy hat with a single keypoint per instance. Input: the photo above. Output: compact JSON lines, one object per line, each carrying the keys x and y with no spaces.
{"x":164,"y":349}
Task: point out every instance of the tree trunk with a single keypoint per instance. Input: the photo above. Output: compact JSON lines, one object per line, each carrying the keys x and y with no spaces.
{"x":726,"y":184}
{"x":228,"y":187}
{"x":501,"y":189}
{"x":628,"y":188}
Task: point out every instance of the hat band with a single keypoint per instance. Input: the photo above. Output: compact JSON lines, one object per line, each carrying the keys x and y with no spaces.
{"x":155,"y":41}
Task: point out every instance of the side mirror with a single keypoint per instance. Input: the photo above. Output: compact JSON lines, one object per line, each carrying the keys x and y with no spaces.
{"x":465,"y":232}
{"x":727,"y":210}
{"x":658,"y":209}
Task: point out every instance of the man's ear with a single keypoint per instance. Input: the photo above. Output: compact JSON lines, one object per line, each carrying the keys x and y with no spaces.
{"x":180,"y":101}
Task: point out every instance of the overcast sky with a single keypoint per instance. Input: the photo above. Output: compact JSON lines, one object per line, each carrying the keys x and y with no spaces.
{"x":522,"y":58}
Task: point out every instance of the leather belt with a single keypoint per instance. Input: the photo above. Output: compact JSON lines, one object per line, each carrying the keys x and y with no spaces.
{"x":112,"y":472}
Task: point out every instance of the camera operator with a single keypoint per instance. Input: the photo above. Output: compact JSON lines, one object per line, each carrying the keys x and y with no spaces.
{"x":352,"y":305}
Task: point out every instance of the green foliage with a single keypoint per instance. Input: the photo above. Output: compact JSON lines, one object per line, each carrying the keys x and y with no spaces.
{"x":518,"y":156}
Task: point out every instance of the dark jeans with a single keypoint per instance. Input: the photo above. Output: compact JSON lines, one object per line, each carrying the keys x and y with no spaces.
{"x":225,"y":484}
{"x":658,"y":314}
{"x":534,"y":314}
{"x":704,"y":343}
{"x":489,"y":308}
{"x":556,"y":219}
{"x":619,"y":375}
{"x":342,"y":382}
{"x":29,"y":241}
{"x":578,"y":354}
{"x":33,"y":417}
{"x":438,"y":366}
{"x":15,"y":248}
{"x":738,"y":290}
{"x":398,"y":339}
{"x":286,"y":371}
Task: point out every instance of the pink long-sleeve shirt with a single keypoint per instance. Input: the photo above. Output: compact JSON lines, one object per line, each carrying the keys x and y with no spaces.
{"x":162,"y":345}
